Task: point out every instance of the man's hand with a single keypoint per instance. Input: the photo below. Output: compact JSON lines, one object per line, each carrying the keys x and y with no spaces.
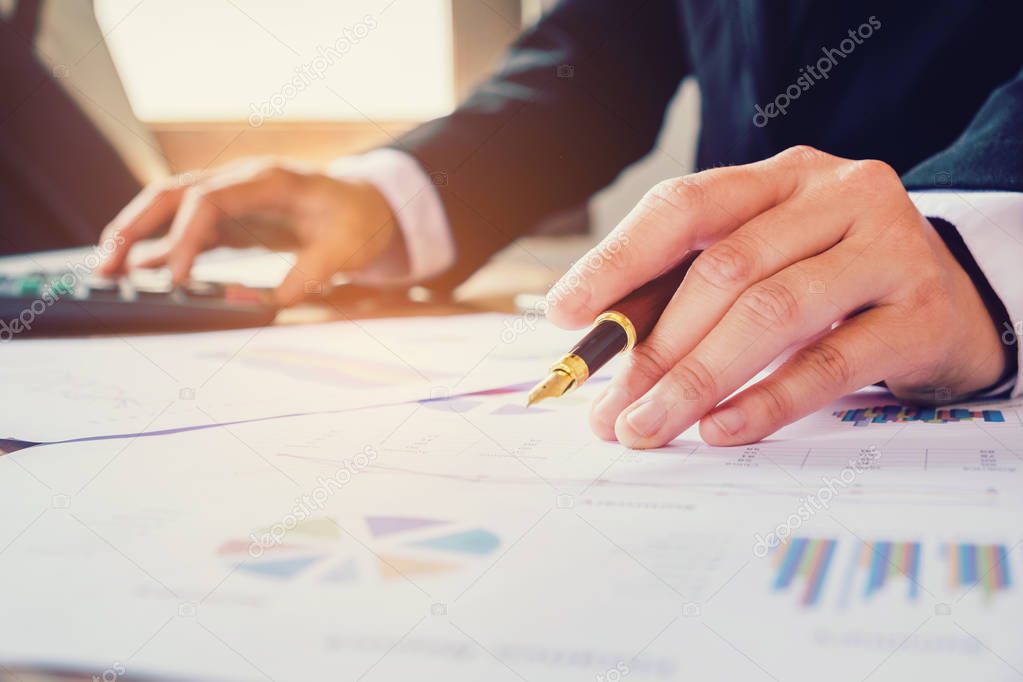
{"x":337,"y":226}
{"x":803,"y":249}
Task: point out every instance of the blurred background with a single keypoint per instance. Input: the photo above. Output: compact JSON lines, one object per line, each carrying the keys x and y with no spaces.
{"x":209,"y":81}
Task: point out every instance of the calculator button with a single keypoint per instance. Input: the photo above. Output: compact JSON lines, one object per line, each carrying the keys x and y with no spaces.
{"x":153,"y":287}
{"x":60,"y":286}
{"x":107,"y":284}
{"x":30,"y":285}
{"x":204,"y":290}
{"x":151,"y":281}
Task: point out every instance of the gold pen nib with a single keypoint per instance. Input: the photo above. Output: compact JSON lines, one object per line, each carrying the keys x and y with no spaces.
{"x":556,"y":384}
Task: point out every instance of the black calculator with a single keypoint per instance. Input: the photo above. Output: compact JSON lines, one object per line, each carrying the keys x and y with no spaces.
{"x":65,"y":301}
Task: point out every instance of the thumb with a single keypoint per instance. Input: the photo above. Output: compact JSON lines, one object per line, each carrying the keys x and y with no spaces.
{"x":310,"y":274}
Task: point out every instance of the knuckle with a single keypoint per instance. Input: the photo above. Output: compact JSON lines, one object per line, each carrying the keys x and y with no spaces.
{"x":691,"y":380}
{"x":726,"y":265}
{"x":870,"y":173}
{"x":828,"y":364}
{"x":652,"y":359}
{"x":802,"y":154}
{"x":276,"y":174}
{"x":195,"y":197}
{"x":199,"y":202}
{"x":679,"y":194}
{"x":769,"y":303}
{"x":776,"y":400}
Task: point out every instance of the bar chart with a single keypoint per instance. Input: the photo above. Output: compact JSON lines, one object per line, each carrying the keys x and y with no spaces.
{"x":804,"y":562}
{"x":874,"y":567}
{"x":878,"y":570}
{"x":882,"y":414}
{"x":986,"y":566}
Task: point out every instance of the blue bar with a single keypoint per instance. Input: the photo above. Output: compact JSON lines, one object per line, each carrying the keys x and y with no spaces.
{"x":914,"y":570}
{"x":822,"y":573}
{"x":967,"y":564}
{"x":790,"y":562}
{"x":994,"y":416}
{"x":878,"y":567}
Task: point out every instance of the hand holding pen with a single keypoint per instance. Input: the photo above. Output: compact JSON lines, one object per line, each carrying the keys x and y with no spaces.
{"x":802,"y":249}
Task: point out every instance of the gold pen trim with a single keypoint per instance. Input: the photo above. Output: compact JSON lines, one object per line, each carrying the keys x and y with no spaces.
{"x":567,"y":373}
{"x":623,"y":322}
{"x":575,"y":367}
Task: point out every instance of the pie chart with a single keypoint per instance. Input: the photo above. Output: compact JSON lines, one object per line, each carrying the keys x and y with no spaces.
{"x":321,"y":550}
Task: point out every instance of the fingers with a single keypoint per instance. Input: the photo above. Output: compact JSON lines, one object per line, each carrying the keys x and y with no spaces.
{"x":766,"y":319}
{"x":229,"y":197}
{"x":838,"y":363}
{"x":195,"y":202}
{"x":143,"y":215}
{"x":312,"y":270}
{"x":757,"y":250}
{"x":865,"y":253}
{"x":674,"y":217}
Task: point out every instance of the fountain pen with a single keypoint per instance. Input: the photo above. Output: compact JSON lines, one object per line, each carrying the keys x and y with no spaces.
{"x":615,"y":331}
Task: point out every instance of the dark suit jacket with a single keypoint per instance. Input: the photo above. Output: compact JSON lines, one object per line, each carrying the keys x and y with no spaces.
{"x":931,"y":87}
{"x":61,"y":182}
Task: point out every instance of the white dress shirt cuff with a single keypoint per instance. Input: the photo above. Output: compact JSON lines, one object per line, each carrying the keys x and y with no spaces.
{"x":408,"y":189}
{"x":991,"y":225}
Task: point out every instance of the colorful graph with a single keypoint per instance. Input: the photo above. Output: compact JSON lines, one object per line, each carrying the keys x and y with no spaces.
{"x":877,"y":564}
{"x":401,"y":547}
{"x":881,"y":414}
{"x":807,"y":559}
{"x":972,"y":564}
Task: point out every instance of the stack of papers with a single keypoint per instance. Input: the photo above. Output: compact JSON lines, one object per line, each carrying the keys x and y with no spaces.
{"x":63,"y":389}
{"x":322,"y":505}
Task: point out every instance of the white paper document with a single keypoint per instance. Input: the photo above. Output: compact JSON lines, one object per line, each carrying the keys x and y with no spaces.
{"x":472,"y":539}
{"x":76,"y":388}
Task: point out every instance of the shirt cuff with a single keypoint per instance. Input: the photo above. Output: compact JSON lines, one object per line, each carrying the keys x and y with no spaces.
{"x":991,"y":226}
{"x":409,"y":191}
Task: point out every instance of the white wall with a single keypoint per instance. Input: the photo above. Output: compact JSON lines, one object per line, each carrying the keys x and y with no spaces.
{"x":206,"y":60}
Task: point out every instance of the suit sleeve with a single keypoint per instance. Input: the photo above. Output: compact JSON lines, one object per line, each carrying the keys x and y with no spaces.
{"x":577,"y":99}
{"x":973,"y":194}
{"x":988,"y":156}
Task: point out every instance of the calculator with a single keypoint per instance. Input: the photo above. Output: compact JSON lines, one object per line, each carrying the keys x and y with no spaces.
{"x":66,"y":301}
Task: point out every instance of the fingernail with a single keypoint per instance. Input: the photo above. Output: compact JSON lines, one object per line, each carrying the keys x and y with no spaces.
{"x":730,"y":420}
{"x":606,"y":403}
{"x":647,"y":419}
